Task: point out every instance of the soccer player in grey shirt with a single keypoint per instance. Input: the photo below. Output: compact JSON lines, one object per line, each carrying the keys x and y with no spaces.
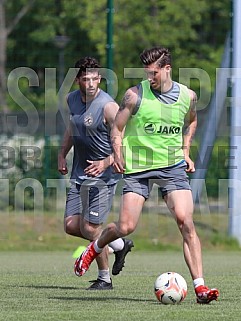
{"x":93,"y":181}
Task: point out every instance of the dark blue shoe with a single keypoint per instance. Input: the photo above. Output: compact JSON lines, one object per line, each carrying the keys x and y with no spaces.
{"x":100,"y":285}
{"x":120,"y":256}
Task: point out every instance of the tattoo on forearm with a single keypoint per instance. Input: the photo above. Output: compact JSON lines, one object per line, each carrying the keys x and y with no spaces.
{"x":186,"y":130}
{"x":190,"y":133}
{"x":113,"y":140}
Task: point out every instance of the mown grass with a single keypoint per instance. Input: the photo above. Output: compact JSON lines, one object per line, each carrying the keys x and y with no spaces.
{"x":41,"y":286}
{"x":37,"y":280}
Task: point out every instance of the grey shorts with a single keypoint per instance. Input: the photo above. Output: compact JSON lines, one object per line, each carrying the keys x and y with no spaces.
{"x":168,"y":179}
{"x":92,"y":202}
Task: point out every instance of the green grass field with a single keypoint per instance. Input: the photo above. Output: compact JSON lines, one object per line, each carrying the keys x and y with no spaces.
{"x":38,"y":283}
{"x":42,"y":286}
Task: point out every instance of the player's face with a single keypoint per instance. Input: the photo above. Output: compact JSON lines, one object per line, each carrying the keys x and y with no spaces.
{"x":157,"y":76}
{"x":88,"y":84}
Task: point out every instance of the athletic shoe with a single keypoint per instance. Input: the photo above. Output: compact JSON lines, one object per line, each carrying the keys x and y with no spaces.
{"x":82,"y":264}
{"x":100,"y":285}
{"x":120,"y":256}
{"x":206,"y":295}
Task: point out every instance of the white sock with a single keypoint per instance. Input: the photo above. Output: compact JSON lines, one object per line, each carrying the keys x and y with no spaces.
{"x":117,"y":245}
{"x":110,"y":250}
{"x":197,"y":282}
{"x":97,"y":248}
{"x":104,"y":275}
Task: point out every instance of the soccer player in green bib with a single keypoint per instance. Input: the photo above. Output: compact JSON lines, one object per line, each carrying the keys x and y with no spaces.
{"x":151,"y":137}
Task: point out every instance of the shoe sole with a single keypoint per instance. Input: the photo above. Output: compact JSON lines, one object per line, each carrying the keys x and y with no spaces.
{"x":76,"y":266}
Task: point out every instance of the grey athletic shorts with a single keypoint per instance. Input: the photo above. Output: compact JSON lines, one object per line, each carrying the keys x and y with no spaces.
{"x":93,"y":202}
{"x":168,"y":179}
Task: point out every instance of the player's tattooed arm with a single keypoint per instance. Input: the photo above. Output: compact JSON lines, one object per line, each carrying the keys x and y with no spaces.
{"x":130,"y":99}
{"x":126,"y":107}
{"x":125,"y":100}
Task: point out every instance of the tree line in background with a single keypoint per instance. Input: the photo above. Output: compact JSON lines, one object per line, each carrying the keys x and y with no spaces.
{"x":194,"y":31}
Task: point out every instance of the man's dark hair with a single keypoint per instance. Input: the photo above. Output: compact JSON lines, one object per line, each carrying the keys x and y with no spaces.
{"x":160,"y":55}
{"x":86,"y":63}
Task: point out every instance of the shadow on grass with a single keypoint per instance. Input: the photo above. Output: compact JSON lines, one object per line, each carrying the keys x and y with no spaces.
{"x":48,"y":287}
{"x":101,"y":299}
{"x":80,"y":298}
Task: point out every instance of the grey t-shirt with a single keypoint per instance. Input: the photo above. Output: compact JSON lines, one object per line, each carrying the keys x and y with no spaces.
{"x":91,"y":136}
{"x":169,"y":97}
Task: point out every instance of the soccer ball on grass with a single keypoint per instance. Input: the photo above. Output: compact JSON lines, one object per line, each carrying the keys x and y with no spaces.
{"x":170,"y":288}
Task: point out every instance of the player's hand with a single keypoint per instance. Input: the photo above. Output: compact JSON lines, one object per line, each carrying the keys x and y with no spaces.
{"x":190,"y":165}
{"x":119,"y":164}
{"x":62,"y":165}
{"x":96,"y":167}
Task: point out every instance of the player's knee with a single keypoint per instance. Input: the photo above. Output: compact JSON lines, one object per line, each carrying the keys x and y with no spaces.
{"x":187,"y":229}
{"x":68,"y":228}
{"x":91,"y":231}
{"x":126,"y":229}
{"x":71,"y":227}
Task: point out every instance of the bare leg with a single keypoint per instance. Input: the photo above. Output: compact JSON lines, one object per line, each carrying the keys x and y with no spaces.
{"x":180,"y":203}
{"x":75,"y":225}
{"x":72,"y":226}
{"x":131,"y":207}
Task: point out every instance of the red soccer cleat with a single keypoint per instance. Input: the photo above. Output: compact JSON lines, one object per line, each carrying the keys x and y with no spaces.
{"x":82,"y":264}
{"x":206,"y":295}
